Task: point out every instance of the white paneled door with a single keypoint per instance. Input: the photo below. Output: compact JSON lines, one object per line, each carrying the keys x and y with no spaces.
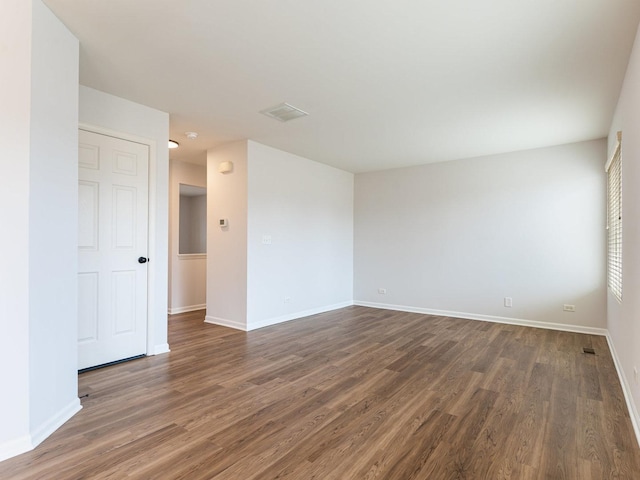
{"x":112,"y":249}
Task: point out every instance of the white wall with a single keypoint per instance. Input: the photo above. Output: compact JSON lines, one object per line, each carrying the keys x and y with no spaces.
{"x":15,"y":118}
{"x":624,"y":318}
{"x":53,"y":219}
{"x":121,"y":116}
{"x":306,"y":208}
{"x":227,"y":247}
{"x":38,"y":205}
{"x":187,"y":273}
{"x":457,"y":237}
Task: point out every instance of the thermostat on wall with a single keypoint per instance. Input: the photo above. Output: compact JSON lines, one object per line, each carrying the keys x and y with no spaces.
{"x":224,"y":222}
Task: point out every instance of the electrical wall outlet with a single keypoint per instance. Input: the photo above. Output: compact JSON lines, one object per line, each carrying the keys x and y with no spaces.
{"x":287,"y":299}
{"x":508,"y":302}
{"x":569,"y":308}
{"x":382,"y":291}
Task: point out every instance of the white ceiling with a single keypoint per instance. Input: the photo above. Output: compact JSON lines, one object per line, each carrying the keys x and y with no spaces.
{"x":386,"y":83}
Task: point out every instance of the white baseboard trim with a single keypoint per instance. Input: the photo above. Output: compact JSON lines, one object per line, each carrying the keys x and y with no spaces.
{"x":188,"y":308}
{"x":487,"y":318}
{"x":15,"y":447}
{"x":274,"y":320}
{"x":626,"y":389}
{"x":225,"y":323}
{"x":29,"y":442}
{"x":160,"y":349}
{"x":55,"y":422}
{"x":296,"y":315}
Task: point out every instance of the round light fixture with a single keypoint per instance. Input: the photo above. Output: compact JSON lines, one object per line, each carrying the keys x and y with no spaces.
{"x":173,"y":144}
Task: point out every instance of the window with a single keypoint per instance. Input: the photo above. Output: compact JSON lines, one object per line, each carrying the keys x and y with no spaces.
{"x":614,"y":221}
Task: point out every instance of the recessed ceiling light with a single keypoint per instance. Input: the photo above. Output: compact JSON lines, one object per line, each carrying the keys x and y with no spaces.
{"x":173,"y":144}
{"x":284,"y":112}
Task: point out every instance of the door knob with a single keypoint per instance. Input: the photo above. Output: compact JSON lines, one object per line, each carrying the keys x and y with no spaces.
{"x":143,"y":259}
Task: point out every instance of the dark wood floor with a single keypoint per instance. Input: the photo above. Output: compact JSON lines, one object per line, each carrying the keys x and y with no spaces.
{"x":355,"y":393}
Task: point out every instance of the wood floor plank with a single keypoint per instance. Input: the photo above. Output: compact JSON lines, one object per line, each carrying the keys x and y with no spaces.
{"x":356,"y":393}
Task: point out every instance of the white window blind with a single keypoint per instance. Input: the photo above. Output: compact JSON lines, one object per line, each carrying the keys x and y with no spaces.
{"x":614,"y":221}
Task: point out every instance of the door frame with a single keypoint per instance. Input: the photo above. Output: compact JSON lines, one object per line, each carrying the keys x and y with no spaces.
{"x":151,"y":226}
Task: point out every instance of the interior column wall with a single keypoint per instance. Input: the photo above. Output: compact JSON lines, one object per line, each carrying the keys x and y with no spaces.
{"x":15,"y":118}
{"x":53,"y":220}
{"x":227,"y":246}
{"x":38,"y":205}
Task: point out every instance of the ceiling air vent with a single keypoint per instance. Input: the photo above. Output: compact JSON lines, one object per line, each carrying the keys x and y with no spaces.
{"x":284,"y":112}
